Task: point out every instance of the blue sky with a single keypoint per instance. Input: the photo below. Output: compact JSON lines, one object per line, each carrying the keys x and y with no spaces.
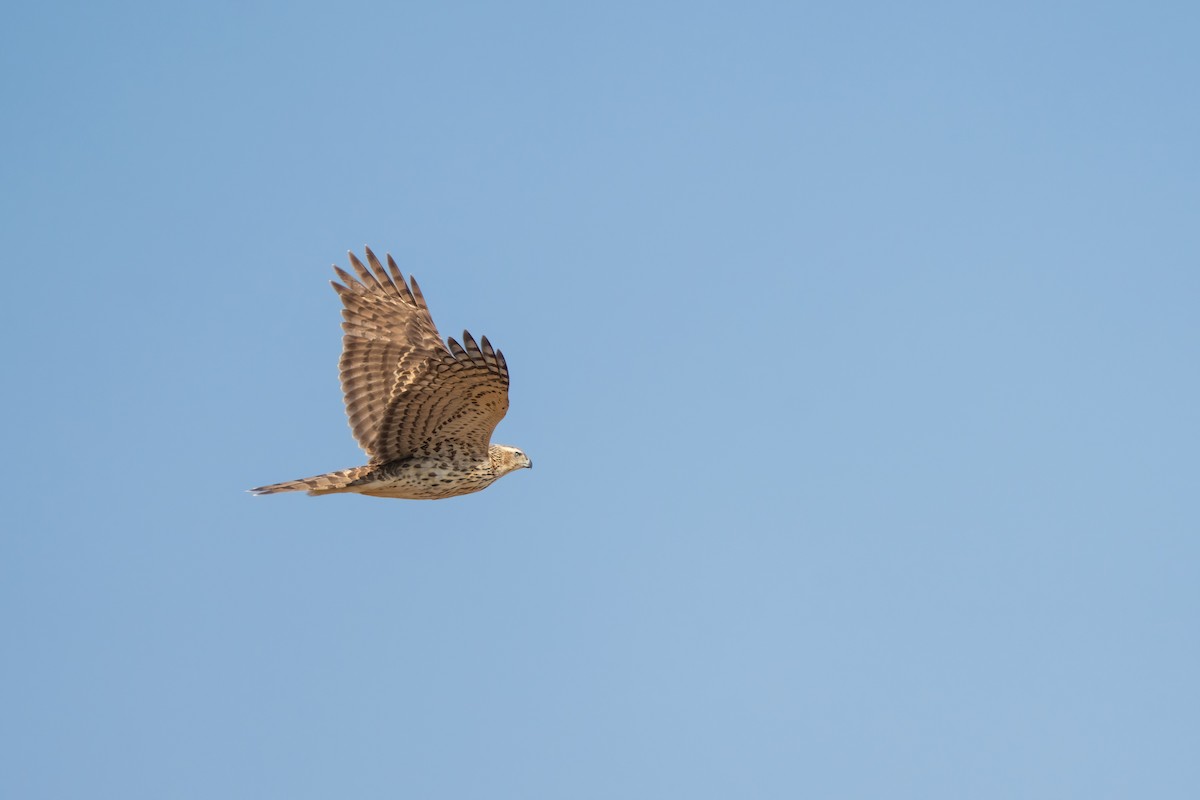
{"x":855,"y":346}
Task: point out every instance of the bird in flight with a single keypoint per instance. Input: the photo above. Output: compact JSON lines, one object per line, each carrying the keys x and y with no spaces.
{"x":423,"y":411}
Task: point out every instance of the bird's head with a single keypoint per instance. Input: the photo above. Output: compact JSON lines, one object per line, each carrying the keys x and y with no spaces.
{"x":506,"y":459}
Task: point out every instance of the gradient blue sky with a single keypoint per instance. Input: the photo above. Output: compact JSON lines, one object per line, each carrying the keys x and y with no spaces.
{"x":855,"y":346}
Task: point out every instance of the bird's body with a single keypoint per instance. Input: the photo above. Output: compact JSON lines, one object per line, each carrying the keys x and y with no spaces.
{"x":413,"y":478}
{"x":422,"y":411}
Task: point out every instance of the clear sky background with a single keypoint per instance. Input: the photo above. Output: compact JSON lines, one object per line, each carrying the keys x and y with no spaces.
{"x":855,"y":346}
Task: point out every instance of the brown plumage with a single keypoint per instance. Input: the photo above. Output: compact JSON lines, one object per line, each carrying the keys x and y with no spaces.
{"x":423,"y":411}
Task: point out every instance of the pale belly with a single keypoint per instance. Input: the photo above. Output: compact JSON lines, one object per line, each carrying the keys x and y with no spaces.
{"x":423,"y":481}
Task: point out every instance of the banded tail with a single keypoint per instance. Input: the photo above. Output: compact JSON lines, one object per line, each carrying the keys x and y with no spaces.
{"x":329,"y":483}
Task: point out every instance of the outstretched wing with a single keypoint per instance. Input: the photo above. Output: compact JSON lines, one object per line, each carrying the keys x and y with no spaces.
{"x":388,"y":335}
{"x":405,"y":391}
{"x":451,"y":408}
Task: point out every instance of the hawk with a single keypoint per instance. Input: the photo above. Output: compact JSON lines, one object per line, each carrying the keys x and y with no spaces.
{"x":423,"y":412}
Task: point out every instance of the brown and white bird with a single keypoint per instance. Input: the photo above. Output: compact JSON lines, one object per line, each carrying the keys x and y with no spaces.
{"x":423,"y":412}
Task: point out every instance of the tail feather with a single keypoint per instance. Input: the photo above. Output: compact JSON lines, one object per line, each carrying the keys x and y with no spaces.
{"x":329,"y":483}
